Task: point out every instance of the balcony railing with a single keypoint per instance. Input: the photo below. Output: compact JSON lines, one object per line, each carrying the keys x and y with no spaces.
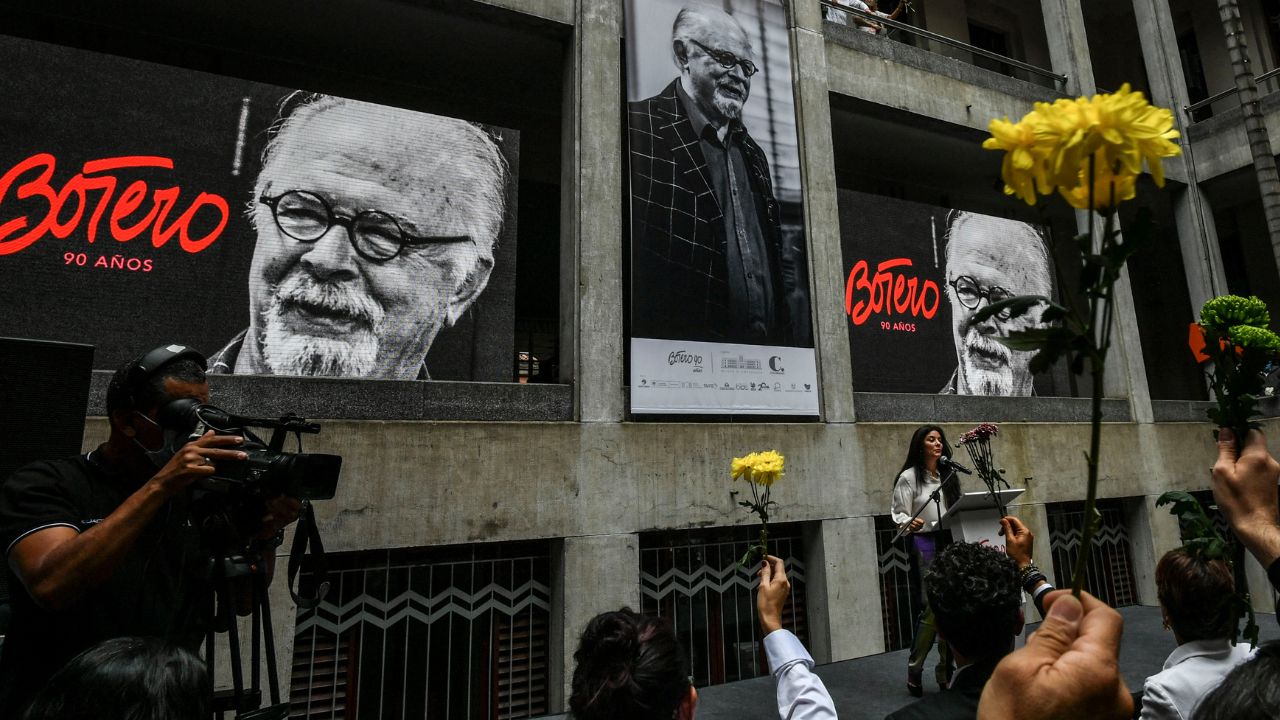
{"x":952,"y":42}
{"x":1195,"y":107}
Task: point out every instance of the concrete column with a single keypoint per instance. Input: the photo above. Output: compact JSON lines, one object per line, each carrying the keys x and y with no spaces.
{"x":1068,"y":44}
{"x":591,"y":574}
{"x":1069,"y":53}
{"x":1126,"y":370}
{"x":1153,"y":532}
{"x":1197,"y":234}
{"x":1198,"y":242}
{"x":822,"y":219}
{"x":842,"y":584}
{"x":593,"y":213}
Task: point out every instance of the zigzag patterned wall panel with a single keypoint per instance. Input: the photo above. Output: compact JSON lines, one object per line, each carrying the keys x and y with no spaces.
{"x":1109,"y":567}
{"x":693,"y":579}
{"x":406,"y":635}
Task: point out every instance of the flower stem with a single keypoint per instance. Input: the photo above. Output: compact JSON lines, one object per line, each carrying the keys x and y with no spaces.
{"x":764,"y":536}
{"x":1100,"y":315}
{"x":1091,"y":500}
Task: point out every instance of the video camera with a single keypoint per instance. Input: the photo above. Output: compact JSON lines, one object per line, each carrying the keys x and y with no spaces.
{"x":232,"y":499}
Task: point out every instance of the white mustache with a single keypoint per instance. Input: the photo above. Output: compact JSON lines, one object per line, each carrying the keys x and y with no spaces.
{"x":331,"y":298}
{"x":976,"y":340}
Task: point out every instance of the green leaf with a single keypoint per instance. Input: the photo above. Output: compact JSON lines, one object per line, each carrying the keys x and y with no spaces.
{"x":1042,"y":362}
{"x":1016,"y":306}
{"x":1055,"y":338}
{"x":1053,"y":313}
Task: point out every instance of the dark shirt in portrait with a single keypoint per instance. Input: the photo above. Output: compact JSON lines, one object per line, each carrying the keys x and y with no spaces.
{"x":750,"y":277}
{"x":688,"y":281}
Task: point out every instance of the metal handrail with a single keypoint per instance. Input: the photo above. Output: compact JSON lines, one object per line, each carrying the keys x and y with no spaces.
{"x":1189,"y":109}
{"x":945,"y":41}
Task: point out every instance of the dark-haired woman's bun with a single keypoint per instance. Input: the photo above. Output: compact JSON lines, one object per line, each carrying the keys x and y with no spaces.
{"x":627,"y":667}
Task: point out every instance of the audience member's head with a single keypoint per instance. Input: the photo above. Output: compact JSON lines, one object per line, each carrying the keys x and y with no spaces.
{"x":1249,"y":692}
{"x":1195,"y":595}
{"x":629,"y":667}
{"x":127,"y":679}
{"x":976,"y":601}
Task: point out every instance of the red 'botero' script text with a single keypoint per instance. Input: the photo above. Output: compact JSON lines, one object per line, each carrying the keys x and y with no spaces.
{"x":889,"y":291}
{"x":29,"y":179}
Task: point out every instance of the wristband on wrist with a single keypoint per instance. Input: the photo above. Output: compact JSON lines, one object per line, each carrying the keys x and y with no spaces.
{"x":1030,"y":583}
{"x":1030,"y":576}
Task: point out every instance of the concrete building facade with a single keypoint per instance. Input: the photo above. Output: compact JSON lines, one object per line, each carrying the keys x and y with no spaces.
{"x":562,"y":468}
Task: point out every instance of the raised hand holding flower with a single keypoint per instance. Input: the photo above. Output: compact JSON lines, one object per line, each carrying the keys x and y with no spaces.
{"x":1090,"y":150}
{"x":760,"y":470}
{"x":1239,"y":347}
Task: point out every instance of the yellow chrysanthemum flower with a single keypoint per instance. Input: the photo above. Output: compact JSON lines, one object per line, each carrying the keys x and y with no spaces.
{"x":763,"y":468}
{"x":1050,"y":147}
{"x":1133,"y":131}
{"x":1109,"y":188}
{"x":767,"y":467}
{"x":1023,"y":170}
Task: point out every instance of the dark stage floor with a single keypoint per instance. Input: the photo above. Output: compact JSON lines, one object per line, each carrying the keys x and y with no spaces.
{"x":873,"y":686}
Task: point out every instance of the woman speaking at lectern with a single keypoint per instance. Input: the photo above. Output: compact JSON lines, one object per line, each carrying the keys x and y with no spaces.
{"x":919,"y":477}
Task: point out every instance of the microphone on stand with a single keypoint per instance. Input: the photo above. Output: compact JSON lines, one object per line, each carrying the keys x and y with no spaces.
{"x":946,"y":462}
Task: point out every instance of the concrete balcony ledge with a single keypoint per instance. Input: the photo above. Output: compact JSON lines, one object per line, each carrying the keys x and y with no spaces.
{"x":920,"y":59}
{"x":342,"y":399}
{"x":1195,"y":410}
{"x":1230,"y":118}
{"x":1219,"y":143}
{"x":1181,"y":410}
{"x":904,"y":407}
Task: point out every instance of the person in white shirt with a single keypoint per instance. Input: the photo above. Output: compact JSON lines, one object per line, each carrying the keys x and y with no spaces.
{"x":801,"y":694}
{"x":919,"y":478}
{"x":1196,"y":596}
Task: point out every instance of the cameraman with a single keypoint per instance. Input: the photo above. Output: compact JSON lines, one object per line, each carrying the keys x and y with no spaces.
{"x":103,"y":545}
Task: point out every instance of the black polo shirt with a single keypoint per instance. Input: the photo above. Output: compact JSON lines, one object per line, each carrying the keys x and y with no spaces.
{"x":161,"y":589}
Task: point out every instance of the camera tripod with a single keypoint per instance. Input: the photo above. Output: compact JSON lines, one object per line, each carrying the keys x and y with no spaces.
{"x":232,"y":564}
{"x":228,"y":573}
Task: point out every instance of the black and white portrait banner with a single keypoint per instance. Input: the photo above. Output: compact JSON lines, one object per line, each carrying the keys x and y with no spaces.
{"x":718,"y":257}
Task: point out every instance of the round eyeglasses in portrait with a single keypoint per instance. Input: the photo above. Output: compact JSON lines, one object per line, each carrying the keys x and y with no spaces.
{"x":970,"y":294}
{"x":728,"y":60}
{"x":375,"y":235}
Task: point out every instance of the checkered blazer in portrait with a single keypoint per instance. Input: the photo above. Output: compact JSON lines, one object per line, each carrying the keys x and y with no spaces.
{"x":679,"y":286}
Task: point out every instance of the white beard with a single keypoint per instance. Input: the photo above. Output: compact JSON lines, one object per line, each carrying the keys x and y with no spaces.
{"x":287,"y":352}
{"x":977,"y":380}
{"x":731,"y":109}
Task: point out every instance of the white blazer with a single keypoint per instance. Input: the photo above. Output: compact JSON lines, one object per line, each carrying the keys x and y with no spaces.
{"x":1192,"y":671}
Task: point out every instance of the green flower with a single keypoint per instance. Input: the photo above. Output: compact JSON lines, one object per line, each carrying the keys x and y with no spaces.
{"x":1231,"y":311}
{"x":1256,"y":338}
